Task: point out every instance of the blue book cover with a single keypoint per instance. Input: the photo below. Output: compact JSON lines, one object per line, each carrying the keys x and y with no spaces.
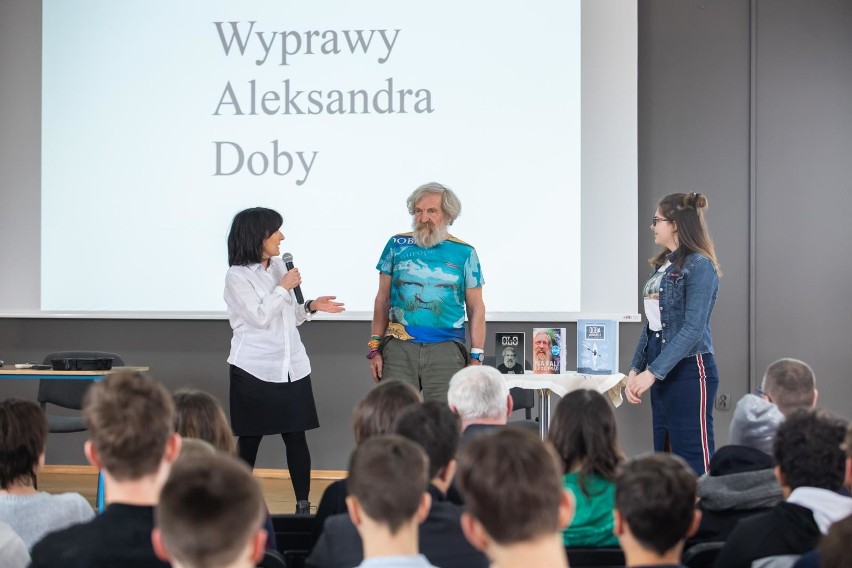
{"x":597,"y":347}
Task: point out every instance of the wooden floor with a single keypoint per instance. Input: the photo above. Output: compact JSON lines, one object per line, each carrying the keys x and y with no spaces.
{"x":276,"y":485}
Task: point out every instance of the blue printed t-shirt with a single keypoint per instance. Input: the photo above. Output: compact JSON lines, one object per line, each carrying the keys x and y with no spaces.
{"x":428,"y":287}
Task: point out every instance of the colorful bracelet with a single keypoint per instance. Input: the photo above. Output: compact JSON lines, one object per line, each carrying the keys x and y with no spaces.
{"x":373,"y":344}
{"x":372,"y":353}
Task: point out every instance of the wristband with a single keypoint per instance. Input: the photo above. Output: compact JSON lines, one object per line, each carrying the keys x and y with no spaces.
{"x":372,"y":353}
{"x":308,"y":309}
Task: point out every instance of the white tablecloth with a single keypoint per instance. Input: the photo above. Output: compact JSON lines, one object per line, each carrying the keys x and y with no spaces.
{"x":564,"y":383}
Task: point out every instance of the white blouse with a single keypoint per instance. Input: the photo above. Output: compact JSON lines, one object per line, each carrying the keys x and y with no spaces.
{"x":264,"y":317}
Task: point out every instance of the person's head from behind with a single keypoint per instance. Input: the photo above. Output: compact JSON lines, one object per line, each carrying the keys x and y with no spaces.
{"x":191,"y":447}
{"x":375,"y":413}
{"x":254,"y":236}
{"x":23,"y":434}
{"x":655,"y":504}
{"x":478,"y":394}
{"x":210,"y":514}
{"x":436,"y":429}
{"x":511,"y":484}
{"x":809,"y":451}
{"x":790,"y":384}
{"x":388,"y":479}
{"x":130,"y":419}
{"x":199,"y":415}
{"x":583,"y":433}
{"x":754,"y":423}
{"x":510,"y":355}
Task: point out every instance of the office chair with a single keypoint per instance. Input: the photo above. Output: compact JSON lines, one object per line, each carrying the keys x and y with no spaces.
{"x":68,"y":393}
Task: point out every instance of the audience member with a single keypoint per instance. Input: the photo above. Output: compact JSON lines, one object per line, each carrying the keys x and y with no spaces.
{"x":837,"y":545}
{"x":583,"y":432}
{"x":372,"y":416}
{"x":517,"y":507}
{"x":791,"y":385}
{"x":210,"y":515}
{"x":741,"y":482}
{"x":788,"y":385}
{"x":655,"y":509}
{"x":132,"y":441}
{"x":31,"y":513}
{"x":388,"y":477}
{"x":13,"y":551}
{"x":811,"y":467}
{"x":199,"y":415}
{"x":436,"y":429}
{"x":480,"y":397}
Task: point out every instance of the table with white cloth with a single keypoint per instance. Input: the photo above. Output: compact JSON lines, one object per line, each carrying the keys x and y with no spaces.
{"x":562,"y":384}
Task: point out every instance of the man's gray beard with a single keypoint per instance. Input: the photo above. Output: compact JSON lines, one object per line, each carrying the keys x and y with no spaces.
{"x":426,"y":238}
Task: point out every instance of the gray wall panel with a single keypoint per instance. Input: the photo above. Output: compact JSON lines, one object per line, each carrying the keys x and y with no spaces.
{"x":694,"y":136}
{"x":804,"y":190}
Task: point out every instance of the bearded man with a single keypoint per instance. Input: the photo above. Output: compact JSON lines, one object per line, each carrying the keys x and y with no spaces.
{"x":543,"y":363}
{"x":428,"y":280}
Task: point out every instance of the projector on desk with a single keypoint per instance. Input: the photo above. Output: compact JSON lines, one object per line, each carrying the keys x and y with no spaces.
{"x":82,"y":364}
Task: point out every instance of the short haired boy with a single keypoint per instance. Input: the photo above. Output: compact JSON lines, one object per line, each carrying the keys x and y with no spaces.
{"x":388,"y":477}
{"x":130,"y":418}
{"x":210,"y":515}
{"x":511,"y":483}
{"x":655,"y":509}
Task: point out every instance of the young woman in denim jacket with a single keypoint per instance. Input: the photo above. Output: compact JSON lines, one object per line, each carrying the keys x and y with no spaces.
{"x":674,"y":355}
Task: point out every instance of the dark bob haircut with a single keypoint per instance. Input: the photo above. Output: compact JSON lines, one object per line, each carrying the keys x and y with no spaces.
{"x":249,"y":229}
{"x":23,"y":433}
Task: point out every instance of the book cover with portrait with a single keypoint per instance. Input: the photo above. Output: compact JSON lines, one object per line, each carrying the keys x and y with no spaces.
{"x":597,"y":347}
{"x":548,"y":346}
{"x":509,"y":352}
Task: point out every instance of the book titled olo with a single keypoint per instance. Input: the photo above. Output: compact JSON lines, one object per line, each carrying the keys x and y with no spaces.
{"x":509,"y":352}
{"x":548,"y":350}
{"x":597,"y":347}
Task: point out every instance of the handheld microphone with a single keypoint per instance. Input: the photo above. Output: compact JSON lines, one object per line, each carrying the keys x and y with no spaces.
{"x":288,"y":262}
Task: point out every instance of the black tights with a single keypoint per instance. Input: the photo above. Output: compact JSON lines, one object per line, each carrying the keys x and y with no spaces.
{"x":298,"y":459}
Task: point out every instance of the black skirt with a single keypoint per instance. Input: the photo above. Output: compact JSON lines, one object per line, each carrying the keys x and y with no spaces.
{"x":259,"y":407}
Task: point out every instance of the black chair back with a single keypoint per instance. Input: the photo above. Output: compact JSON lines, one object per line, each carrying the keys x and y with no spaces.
{"x":595,"y":557}
{"x":295,"y":537}
{"x":68,"y":393}
{"x":272,"y":559}
{"x":702,"y":555}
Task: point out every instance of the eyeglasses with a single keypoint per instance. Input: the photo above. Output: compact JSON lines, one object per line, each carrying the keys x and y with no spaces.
{"x":655,"y":220}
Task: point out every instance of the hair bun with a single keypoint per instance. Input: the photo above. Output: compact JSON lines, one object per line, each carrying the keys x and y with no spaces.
{"x":695,"y":200}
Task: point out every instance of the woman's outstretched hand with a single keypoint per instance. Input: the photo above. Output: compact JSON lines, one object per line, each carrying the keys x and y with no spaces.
{"x":326,"y":304}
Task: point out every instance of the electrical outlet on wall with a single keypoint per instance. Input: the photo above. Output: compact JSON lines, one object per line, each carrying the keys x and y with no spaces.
{"x":723,"y":402}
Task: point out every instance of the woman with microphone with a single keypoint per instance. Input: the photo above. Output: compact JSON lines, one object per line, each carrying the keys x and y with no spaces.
{"x":674,"y":355}
{"x":270,"y":390}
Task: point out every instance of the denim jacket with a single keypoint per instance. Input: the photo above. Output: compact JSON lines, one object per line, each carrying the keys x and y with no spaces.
{"x":687,"y":297}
